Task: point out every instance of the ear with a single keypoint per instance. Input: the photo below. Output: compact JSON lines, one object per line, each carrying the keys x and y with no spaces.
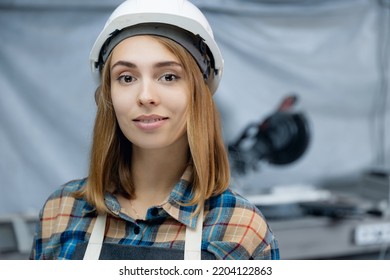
{"x":98,"y":94}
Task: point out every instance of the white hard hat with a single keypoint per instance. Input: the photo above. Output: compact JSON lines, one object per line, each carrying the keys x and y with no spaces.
{"x":169,"y":18}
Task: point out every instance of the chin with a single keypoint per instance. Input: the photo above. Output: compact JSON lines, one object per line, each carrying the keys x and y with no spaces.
{"x":151,"y":145}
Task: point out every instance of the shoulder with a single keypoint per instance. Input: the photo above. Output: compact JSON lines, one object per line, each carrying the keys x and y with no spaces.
{"x":231,"y":205}
{"x":238,"y":228}
{"x":69,"y":188}
{"x":62,"y":206}
{"x":64,"y":196}
{"x":229,"y":198}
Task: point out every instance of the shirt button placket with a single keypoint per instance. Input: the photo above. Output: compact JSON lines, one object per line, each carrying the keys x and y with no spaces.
{"x":136,"y":233}
{"x":136,"y":230}
{"x":154,"y":212}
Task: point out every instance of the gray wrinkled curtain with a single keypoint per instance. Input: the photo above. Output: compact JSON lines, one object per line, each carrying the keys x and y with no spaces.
{"x":333,"y":54}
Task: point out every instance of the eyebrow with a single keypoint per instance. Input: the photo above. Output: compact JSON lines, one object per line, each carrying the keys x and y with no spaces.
{"x":157,"y":65}
{"x":123,"y":63}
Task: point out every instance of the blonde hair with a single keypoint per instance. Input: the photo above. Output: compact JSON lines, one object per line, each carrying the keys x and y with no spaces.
{"x":110,"y":166}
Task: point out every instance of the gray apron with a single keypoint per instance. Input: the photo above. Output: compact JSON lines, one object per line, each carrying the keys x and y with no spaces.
{"x":96,"y":249}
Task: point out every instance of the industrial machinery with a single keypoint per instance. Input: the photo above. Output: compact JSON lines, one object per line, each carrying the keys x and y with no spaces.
{"x":280,"y":139}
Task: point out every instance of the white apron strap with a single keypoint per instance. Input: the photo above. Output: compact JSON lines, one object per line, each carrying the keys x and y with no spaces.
{"x":96,"y":240}
{"x":193,"y":241}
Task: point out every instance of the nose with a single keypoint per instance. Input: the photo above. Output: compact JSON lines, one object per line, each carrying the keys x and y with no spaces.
{"x":148,"y":95}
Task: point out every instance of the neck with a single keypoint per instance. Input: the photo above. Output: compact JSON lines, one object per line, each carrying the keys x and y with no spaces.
{"x":156,"y":171}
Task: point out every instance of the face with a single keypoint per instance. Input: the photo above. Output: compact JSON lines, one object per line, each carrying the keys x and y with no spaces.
{"x":150,"y":93}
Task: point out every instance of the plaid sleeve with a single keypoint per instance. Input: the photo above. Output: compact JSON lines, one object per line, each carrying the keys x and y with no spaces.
{"x":55,"y":226}
{"x":238,"y":231}
{"x":36,"y":249}
{"x":46,"y":227}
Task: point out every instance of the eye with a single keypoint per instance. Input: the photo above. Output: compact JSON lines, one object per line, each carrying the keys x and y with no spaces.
{"x":169,"y":78}
{"x":126,"y":79}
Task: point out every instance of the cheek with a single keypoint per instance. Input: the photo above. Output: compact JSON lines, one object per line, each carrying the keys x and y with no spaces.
{"x":117,"y":104}
{"x":118,"y":107}
{"x":180,"y":103}
{"x":121,"y":102}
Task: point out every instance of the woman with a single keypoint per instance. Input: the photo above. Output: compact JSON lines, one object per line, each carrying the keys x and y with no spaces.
{"x":159,"y":174}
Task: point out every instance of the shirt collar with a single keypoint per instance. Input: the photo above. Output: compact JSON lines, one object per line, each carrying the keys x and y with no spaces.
{"x":112,"y":203}
{"x":175,"y":206}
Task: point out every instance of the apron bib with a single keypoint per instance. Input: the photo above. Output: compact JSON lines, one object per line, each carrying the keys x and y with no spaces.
{"x":96,"y":249}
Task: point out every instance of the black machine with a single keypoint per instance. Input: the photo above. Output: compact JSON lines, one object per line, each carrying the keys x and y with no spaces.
{"x":280,"y":139}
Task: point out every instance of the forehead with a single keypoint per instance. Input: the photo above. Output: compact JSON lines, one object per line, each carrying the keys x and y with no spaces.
{"x":142,"y":49}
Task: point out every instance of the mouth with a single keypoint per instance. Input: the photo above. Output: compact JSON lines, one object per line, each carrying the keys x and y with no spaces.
{"x":150,"y":120}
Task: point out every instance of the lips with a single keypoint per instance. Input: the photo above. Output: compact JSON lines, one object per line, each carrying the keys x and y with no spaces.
{"x":149,"y":118}
{"x":150,"y":122}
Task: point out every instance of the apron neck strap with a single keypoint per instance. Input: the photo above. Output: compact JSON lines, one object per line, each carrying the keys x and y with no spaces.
{"x":193,"y":241}
{"x":96,"y":240}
